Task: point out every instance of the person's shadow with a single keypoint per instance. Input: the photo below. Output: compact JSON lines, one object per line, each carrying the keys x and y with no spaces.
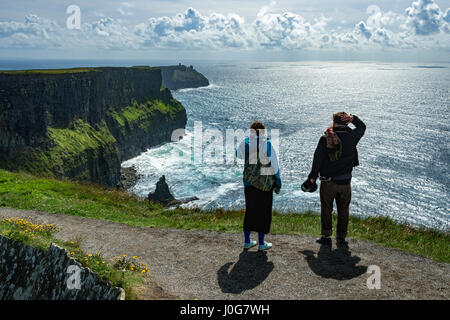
{"x":337,"y":264}
{"x":249,"y":272}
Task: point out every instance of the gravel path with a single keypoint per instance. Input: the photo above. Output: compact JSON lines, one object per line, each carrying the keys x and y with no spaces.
{"x":212,"y":265}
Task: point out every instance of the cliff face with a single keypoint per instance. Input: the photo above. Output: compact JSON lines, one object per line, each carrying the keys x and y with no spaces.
{"x":27,"y":273}
{"x":180,"y":77}
{"x":81,"y":123}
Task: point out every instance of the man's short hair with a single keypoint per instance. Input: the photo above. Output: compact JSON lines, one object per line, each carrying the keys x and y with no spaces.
{"x":337,"y":117}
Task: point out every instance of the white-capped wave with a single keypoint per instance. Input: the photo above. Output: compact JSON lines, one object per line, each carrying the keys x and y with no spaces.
{"x":210,"y":86}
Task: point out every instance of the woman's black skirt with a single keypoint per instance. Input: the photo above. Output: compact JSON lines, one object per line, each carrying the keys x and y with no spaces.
{"x":258,"y":210}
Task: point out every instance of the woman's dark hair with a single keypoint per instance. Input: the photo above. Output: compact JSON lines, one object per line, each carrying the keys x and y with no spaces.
{"x":257,"y":125}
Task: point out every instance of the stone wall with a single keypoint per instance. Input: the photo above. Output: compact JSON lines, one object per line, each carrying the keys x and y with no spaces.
{"x":27,"y":273}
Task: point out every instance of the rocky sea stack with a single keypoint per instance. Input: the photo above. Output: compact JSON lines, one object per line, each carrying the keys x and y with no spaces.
{"x":163,"y":196}
{"x":82,"y":123}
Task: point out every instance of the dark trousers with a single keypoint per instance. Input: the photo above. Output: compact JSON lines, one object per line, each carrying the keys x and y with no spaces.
{"x":329,"y":191}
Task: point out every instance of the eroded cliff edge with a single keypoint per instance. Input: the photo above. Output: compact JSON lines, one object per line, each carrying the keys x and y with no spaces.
{"x":82,"y":123}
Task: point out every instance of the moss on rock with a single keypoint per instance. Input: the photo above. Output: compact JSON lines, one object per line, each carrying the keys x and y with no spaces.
{"x":75,"y":151}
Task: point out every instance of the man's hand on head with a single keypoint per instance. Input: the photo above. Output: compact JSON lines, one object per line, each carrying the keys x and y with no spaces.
{"x":347,"y":118}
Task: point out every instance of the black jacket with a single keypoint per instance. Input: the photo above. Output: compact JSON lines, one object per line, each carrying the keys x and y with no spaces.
{"x":348,"y":159}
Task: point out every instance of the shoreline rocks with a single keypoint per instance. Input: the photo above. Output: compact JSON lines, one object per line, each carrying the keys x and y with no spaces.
{"x":128,"y":177}
{"x":163,"y":196}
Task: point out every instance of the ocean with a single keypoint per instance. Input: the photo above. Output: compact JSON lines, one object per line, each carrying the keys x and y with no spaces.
{"x":404,"y":154}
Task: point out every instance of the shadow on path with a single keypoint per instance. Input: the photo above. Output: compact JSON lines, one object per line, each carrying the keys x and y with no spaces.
{"x":249,"y":272}
{"x":337,"y":264}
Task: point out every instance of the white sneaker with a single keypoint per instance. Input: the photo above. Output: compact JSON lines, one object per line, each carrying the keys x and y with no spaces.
{"x":265,"y":246}
{"x":249,"y":245}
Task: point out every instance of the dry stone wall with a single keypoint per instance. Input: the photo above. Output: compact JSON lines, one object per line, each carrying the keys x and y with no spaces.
{"x":28,"y":273}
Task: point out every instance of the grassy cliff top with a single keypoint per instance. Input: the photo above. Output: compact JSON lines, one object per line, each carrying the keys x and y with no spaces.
{"x":49,"y":71}
{"x":69,"y":70}
{"x":25,"y":191}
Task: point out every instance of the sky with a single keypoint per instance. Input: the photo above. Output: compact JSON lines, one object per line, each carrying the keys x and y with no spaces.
{"x":234,"y":29}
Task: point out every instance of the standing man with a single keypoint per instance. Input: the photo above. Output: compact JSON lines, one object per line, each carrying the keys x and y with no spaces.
{"x":334,"y":159}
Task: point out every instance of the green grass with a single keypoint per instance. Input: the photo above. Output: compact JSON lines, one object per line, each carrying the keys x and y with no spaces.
{"x":24,"y":191}
{"x":68,"y":70}
{"x":49,"y":71}
{"x":141,"y":113}
{"x":79,"y":137}
{"x":106,"y":270}
{"x":26,"y":235}
{"x":66,"y":150}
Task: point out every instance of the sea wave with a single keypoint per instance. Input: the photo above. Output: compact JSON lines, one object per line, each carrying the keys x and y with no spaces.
{"x":210,"y":86}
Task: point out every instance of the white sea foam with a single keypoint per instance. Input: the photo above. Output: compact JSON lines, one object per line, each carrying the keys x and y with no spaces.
{"x":210,"y":86}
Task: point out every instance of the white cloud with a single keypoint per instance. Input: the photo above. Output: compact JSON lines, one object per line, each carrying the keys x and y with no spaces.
{"x":379,"y":19}
{"x":124,"y":9}
{"x":32,"y":32}
{"x":425,"y":17}
{"x":267,"y":9}
{"x":446,"y":16}
{"x":419,"y":27}
{"x":362,"y":29}
{"x":422,"y":25}
{"x":193,"y":30}
{"x":107,"y":33}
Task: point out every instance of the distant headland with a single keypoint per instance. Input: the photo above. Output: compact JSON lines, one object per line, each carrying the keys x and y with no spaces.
{"x":181,"y":77}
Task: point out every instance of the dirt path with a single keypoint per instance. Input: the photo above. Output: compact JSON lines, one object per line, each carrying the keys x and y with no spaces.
{"x":212,"y":265}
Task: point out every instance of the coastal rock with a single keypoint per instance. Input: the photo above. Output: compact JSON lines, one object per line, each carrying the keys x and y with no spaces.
{"x":128,"y":177}
{"x":181,"y":76}
{"x":163,"y":196}
{"x":162,"y":193}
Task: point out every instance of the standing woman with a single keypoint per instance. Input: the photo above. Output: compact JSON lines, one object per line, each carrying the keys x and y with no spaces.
{"x":261,"y":179}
